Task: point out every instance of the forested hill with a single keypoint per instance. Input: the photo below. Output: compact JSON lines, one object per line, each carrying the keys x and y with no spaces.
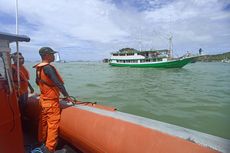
{"x":214,"y":58}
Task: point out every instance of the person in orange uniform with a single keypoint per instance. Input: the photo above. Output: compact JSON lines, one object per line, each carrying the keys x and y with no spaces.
{"x":51,"y":84}
{"x":24,"y":81}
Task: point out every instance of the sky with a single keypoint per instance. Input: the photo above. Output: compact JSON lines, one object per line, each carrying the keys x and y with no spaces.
{"x":90,"y":30}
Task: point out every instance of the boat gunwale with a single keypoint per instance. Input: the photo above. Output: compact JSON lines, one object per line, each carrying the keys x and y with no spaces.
{"x":203,"y":139}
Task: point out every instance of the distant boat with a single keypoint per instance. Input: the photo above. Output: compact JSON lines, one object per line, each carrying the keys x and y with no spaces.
{"x":151,"y":58}
{"x":105,"y":60}
{"x":225,"y":60}
{"x":58,"y":58}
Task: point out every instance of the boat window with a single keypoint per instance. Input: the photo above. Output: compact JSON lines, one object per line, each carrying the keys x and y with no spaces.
{"x":2,"y":70}
{"x":153,"y":60}
{"x":5,"y":69}
{"x":133,"y":61}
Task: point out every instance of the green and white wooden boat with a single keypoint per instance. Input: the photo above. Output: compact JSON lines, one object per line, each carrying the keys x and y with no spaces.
{"x":154,"y":58}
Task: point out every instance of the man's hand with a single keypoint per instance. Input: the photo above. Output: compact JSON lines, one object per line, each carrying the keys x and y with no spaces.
{"x":32,"y":90}
{"x":69,"y":99}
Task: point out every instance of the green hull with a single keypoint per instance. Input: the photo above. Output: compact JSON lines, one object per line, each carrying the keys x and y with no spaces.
{"x":168,"y":64}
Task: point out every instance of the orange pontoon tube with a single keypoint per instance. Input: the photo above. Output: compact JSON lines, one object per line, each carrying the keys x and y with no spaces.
{"x":98,"y":130}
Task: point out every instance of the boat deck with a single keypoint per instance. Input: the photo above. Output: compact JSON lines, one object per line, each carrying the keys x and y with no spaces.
{"x":30,"y":139}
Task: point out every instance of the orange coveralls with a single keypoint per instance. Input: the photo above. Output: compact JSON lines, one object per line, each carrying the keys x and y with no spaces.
{"x":50,"y":109}
{"x":24,"y":77}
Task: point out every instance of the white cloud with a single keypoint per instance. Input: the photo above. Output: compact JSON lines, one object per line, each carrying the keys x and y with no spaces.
{"x":101,"y":26}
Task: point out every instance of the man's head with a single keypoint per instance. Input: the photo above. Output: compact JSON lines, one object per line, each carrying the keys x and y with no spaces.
{"x":47,"y":54}
{"x":15,"y":58}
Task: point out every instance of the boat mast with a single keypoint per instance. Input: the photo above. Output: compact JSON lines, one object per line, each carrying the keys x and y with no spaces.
{"x":170,"y":36}
{"x":16,"y":5}
{"x":140,"y":39}
{"x":170,"y":46}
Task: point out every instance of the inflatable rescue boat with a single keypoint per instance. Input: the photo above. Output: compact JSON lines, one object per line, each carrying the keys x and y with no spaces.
{"x":93,"y":128}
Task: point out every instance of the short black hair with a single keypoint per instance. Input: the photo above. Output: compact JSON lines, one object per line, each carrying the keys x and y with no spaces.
{"x":14,"y":55}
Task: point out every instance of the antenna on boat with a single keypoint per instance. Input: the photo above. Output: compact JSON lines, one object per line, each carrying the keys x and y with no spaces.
{"x":140,"y":39}
{"x":170,"y":36}
{"x":16,"y":5}
{"x":170,"y":46}
{"x":17,"y":46}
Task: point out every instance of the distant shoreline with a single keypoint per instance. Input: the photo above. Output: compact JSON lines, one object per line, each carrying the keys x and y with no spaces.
{"x":204,"y":58}
{"x":214,"y":58}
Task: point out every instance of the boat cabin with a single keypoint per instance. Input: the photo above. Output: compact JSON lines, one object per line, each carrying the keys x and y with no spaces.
{"x":11,"y":137}
{"x":134,"y":56}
